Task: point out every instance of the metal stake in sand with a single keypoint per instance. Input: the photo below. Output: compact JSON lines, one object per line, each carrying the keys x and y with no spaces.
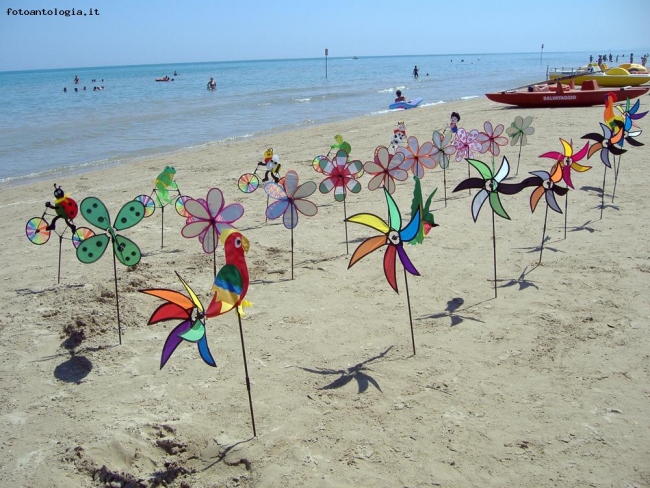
{"x":494,"y":253}
{"x":617,"y":171}
{"x":541,"y":248}
{"x":248,"y":382}
{"x":408,"y":302}
{"x":602,"y":195}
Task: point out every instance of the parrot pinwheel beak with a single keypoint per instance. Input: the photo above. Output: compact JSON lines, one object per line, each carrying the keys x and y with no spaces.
{"x":245,"y":244}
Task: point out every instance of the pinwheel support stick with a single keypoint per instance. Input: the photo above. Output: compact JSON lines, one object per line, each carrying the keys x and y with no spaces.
{"x":292,"y":248}
{"x":541,"y":248}
{"x":248,"y":382}
{"x":408,"y":302}
{"x":162,"y":227}
{"x":602,"y":195}
{"x":494,"y":253}
{"x":58,"y":278}
{"x":444,"y":179}
{"x":518,"y":157}
{"x":117,"y":300}
{"x":617,"y":171}
{"x":566,"y":212}
{"x":345,"y":220}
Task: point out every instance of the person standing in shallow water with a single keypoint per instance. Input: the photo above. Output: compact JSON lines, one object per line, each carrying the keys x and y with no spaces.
{"x":416,"y":71}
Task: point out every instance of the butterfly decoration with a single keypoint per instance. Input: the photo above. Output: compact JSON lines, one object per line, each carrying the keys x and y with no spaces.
{"x":125,"y":250}
{"x":191,"y":312}
{"x":385,"y":168}
{"x":393,"y":236}
{"x":518,"y":131}
{"x":291,"y":200}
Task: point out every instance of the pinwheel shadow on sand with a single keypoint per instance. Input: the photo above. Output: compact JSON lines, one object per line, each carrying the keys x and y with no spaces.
{"x":452,"y":311}
{"x":358,"y":372}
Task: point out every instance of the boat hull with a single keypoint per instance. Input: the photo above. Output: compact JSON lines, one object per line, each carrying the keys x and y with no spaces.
{"x":603,"y":79}
{"x":568,"y":98}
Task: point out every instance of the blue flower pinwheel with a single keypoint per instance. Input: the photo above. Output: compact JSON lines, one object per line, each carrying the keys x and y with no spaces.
{"x":392,"y":235}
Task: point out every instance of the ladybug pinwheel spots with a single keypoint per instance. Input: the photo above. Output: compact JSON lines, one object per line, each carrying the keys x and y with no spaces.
{"x":392,"y":235}
{"x":606,"y":143}
{"x":569,"y":160}
{"x":466,"y":142}
{"x":491,"y":186}
{"x":547,"y":187}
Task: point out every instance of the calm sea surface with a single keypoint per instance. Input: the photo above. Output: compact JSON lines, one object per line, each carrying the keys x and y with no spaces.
{"x":45,"y":131}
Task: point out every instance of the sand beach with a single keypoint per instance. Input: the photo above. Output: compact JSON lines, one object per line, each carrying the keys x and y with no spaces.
{"x":546,"y":385}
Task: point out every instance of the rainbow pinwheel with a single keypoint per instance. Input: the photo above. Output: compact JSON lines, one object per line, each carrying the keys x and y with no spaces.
{"x":340,"y":175}
{"x":209,"y":218}
{"x":291,"y":199}
{"x":630,"y":114}
{"x":569,"y":160}
{"x":491,"y":138}
{"x":190,"y":310}
{"x":393,"y":235}
{"x":518,"y":130}
{"x":416,"y":157}
{"x":442,"y":150}
{"x":386,"y":168}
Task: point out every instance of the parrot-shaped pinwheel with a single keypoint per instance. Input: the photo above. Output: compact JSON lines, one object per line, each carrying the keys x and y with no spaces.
{"x":231,"y":283}
{"x":192,"y":328}
{"x":427,"y":218}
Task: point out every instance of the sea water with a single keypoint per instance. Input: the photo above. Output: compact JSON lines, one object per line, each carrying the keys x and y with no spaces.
{"x":47,"y":132}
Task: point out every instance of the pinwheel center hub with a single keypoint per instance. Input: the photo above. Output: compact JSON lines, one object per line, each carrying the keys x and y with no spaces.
{"x":567,"y":161}
{"x":491,"y":185}
{"x":548,"y":184}
{"x":393,"y":237}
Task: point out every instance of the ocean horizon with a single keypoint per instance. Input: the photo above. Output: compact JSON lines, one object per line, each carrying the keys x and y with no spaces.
{"x":123,"y":114}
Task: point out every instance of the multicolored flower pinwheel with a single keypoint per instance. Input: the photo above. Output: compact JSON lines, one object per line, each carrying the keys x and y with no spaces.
{"x":209,"y":218}
{"x":466,"y":143}
{"x":192,"y":328}
{"x":386,"y":168}
{"x":291,"y":200}
{"x":606,"y":143}
{"x":491,"y":138}
{"x":547,"y":186}
{"x":416,"y":157}
{"x":341,"y":175}
{"x":630,"y":114}
{"x":569,"y":160}
{"x":392,"y":235}
{"x":491,"y":187}
{"x":442,"y":148}
{"x":519,"y":129}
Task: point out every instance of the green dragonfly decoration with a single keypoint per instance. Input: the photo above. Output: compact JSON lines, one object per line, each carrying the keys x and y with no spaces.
{"x":124,"y":249}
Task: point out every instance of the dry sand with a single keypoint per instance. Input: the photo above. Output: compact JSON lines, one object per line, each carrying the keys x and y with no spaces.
{"x":546,"y":385}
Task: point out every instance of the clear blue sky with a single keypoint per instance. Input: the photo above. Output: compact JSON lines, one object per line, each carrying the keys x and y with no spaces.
{"x":176,"y":31}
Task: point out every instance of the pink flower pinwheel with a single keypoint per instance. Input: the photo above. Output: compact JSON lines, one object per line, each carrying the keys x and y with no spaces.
{"x":341,"y":175}
{"x":442,"y":148}
{"x":417,"y":157}
{"x":209,"y":218}
{"x":386,"y":168}
{"x":465,"y":143}
{"x":291,"y":199}
{"x":491,"y":138}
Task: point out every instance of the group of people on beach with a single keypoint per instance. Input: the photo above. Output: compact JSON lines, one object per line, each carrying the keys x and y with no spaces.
{"x":603,"y":58}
